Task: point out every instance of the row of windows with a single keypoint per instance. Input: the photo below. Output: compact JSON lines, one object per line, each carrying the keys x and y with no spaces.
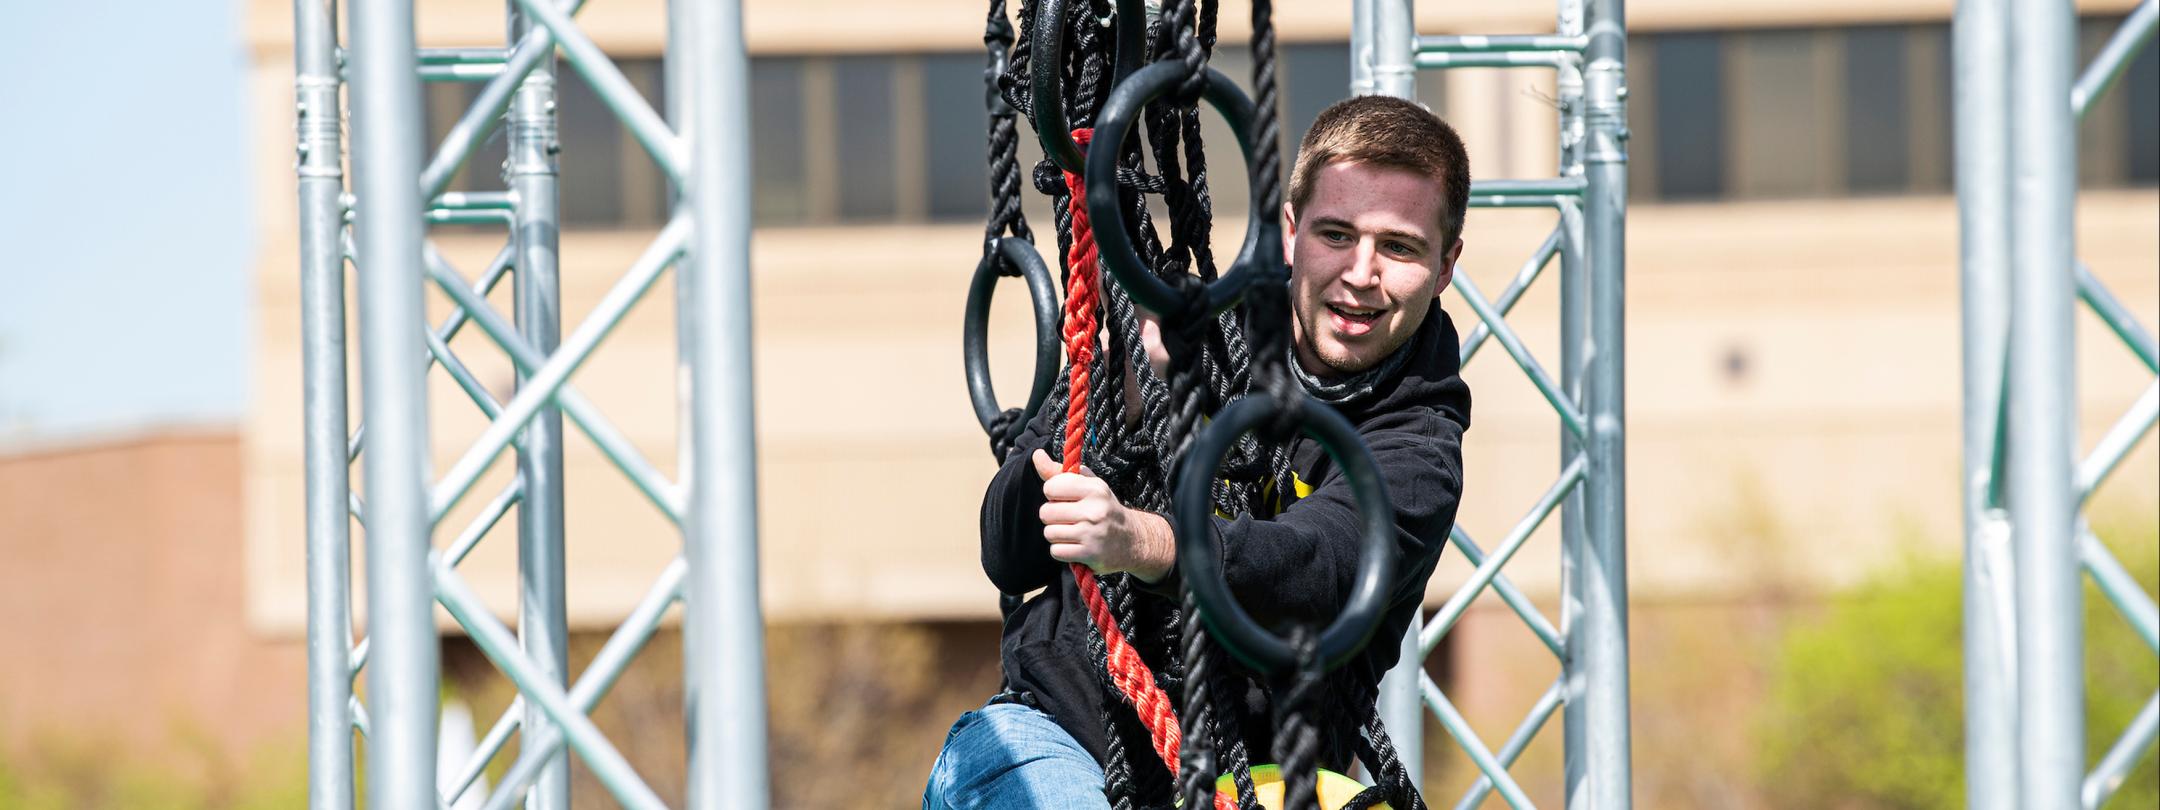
{"x":1834,"y":111}
{"x":852,"y":139}
{"x":1715,"y":115}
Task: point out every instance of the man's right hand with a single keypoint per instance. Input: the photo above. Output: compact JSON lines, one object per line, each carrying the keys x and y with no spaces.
{"x":1085,"y":523}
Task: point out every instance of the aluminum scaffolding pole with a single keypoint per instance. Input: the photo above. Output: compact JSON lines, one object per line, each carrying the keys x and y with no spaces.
{"x":723,"y":627}
{"x":2042,"y":443}
{"x":1361,"y":57}
{"x":1587,"y":53}
{"x":530,"y":173}
{"x":1574,"y":324}
{"x":1608,"y":781}
{"x":1381,"y":65}
{"x":389,"y":227}
{"x":1383,"y":61}
{"x":1980,"y":31}
{"x":322,"y":304}
{"x":395,"y":201}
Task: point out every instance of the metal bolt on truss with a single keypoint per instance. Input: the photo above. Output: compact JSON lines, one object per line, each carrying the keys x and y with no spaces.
{"x":2018,"y":106}
{"x":396,"y":193}
{"x":1588,"y":52}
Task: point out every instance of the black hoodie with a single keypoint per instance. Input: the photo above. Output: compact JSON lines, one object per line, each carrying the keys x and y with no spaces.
{"x":1296,"y":566}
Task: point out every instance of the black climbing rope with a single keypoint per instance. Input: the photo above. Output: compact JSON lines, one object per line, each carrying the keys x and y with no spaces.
{"x":1079,"y":63}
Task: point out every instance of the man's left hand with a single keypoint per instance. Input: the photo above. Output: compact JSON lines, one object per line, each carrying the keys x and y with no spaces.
{"x":1085,"y":523}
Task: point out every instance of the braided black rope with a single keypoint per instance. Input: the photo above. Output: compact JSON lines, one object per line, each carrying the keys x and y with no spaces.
{"x":1393,"y":783}
{"x":1133,"y":443}
{"x":1297,"y":737}
{"x":1013,"y":86}
{"x":1006,"y":216}
{"x":1186,"y":29}
{"x":1230,"y":733}
{"x":1197,"y":768}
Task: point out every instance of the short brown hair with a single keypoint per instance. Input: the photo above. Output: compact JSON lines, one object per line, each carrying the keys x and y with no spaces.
{"x":1387,"y":131}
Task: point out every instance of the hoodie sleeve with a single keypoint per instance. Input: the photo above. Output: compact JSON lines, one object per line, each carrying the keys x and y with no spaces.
{"x":1300,"y":565}
{"x":1014,"y":554}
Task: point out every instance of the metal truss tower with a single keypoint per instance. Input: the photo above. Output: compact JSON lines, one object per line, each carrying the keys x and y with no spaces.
{"x":378,"y":228}
{"x":1588,"y":51}
{"x":2018,"y":105}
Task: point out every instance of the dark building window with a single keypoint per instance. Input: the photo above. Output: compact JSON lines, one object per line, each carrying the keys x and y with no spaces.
{"x":1878,"y":134}
{"x":592,"y":153}
{"x":865,"y":137}
{"x":957,"y":136}
{"x":778,"y":179}
{"x":1688,"y":109}
{"x":2140,"y":89}
{"x":1316,"y":75}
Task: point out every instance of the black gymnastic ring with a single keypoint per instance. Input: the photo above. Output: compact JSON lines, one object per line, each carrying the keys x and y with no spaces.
{"x":1200,"y":560}
{"x":1261,"y":256}
{"x":975,"y":339}
{"x":1047,"y":46}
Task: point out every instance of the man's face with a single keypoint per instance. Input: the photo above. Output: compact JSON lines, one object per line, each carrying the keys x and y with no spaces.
{"x":1366,"y":264}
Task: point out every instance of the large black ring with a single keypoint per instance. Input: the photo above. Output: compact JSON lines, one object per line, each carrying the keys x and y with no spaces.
{"x":1259,"y":259}
{"x":1048,"y":55}
{"x":974,"y":337}
{"x":1200,"y":561}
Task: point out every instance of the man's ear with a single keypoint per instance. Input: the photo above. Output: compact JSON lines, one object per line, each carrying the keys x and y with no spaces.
{"x":1447,"y":266}
{"x":1289,"y":232}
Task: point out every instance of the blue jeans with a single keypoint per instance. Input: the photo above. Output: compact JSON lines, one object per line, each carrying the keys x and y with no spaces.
{"x":1006,"y":756}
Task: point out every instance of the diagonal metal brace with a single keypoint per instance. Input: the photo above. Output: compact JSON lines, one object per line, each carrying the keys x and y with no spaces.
{"x":1450,"y":613}
{"x":1513,"y":748}
{"x":614,"y":89}
{"x":466,"y":540}
{"x":548,"y":375}
{"x":1459,"y":728}
{"x":1570,"y":416}
{"x":498,"y":268}
{"x":501,"y":646}
{"x":487,"y":110}
{"x":598,"y":678}
{"x":1524,"y":277}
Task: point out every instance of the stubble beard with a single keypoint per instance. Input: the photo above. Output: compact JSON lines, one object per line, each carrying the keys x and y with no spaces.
{"x":1343,"y":358}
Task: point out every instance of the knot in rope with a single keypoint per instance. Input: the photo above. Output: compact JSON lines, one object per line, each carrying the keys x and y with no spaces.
{"x":1048,"y":178}
{"x":997,"y":44}
{"x":1189,"y":52}
{"x":997,"y":33}
{"x":1003,"y":268}
{"x":1004,"y":430}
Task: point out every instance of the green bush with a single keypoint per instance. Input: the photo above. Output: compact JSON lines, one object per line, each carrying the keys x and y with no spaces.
{"x":82,"y":772}
{"x":1865,"y":707}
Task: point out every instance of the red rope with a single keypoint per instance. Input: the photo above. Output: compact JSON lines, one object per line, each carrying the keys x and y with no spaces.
{"x":1084,"y":291}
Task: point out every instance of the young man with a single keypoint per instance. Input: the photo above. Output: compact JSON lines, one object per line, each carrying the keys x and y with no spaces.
{"x":1372,"y":231}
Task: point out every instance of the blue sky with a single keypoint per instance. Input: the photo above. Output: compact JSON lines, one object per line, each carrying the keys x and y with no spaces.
{"x":126,"y":224}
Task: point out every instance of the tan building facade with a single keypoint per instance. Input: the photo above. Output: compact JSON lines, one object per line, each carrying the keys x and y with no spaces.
{"x":1792,"y":352}
{"x":1791,"y":356}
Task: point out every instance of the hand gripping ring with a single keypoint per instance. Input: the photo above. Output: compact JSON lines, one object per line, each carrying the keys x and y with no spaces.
{"x":974,"y":338}
{"x":1200,"y":561}
{"x":1261,"y":256}
{"x":1047,"y":45}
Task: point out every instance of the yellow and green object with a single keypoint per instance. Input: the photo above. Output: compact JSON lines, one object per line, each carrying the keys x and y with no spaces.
{"x":1336,"y":789}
